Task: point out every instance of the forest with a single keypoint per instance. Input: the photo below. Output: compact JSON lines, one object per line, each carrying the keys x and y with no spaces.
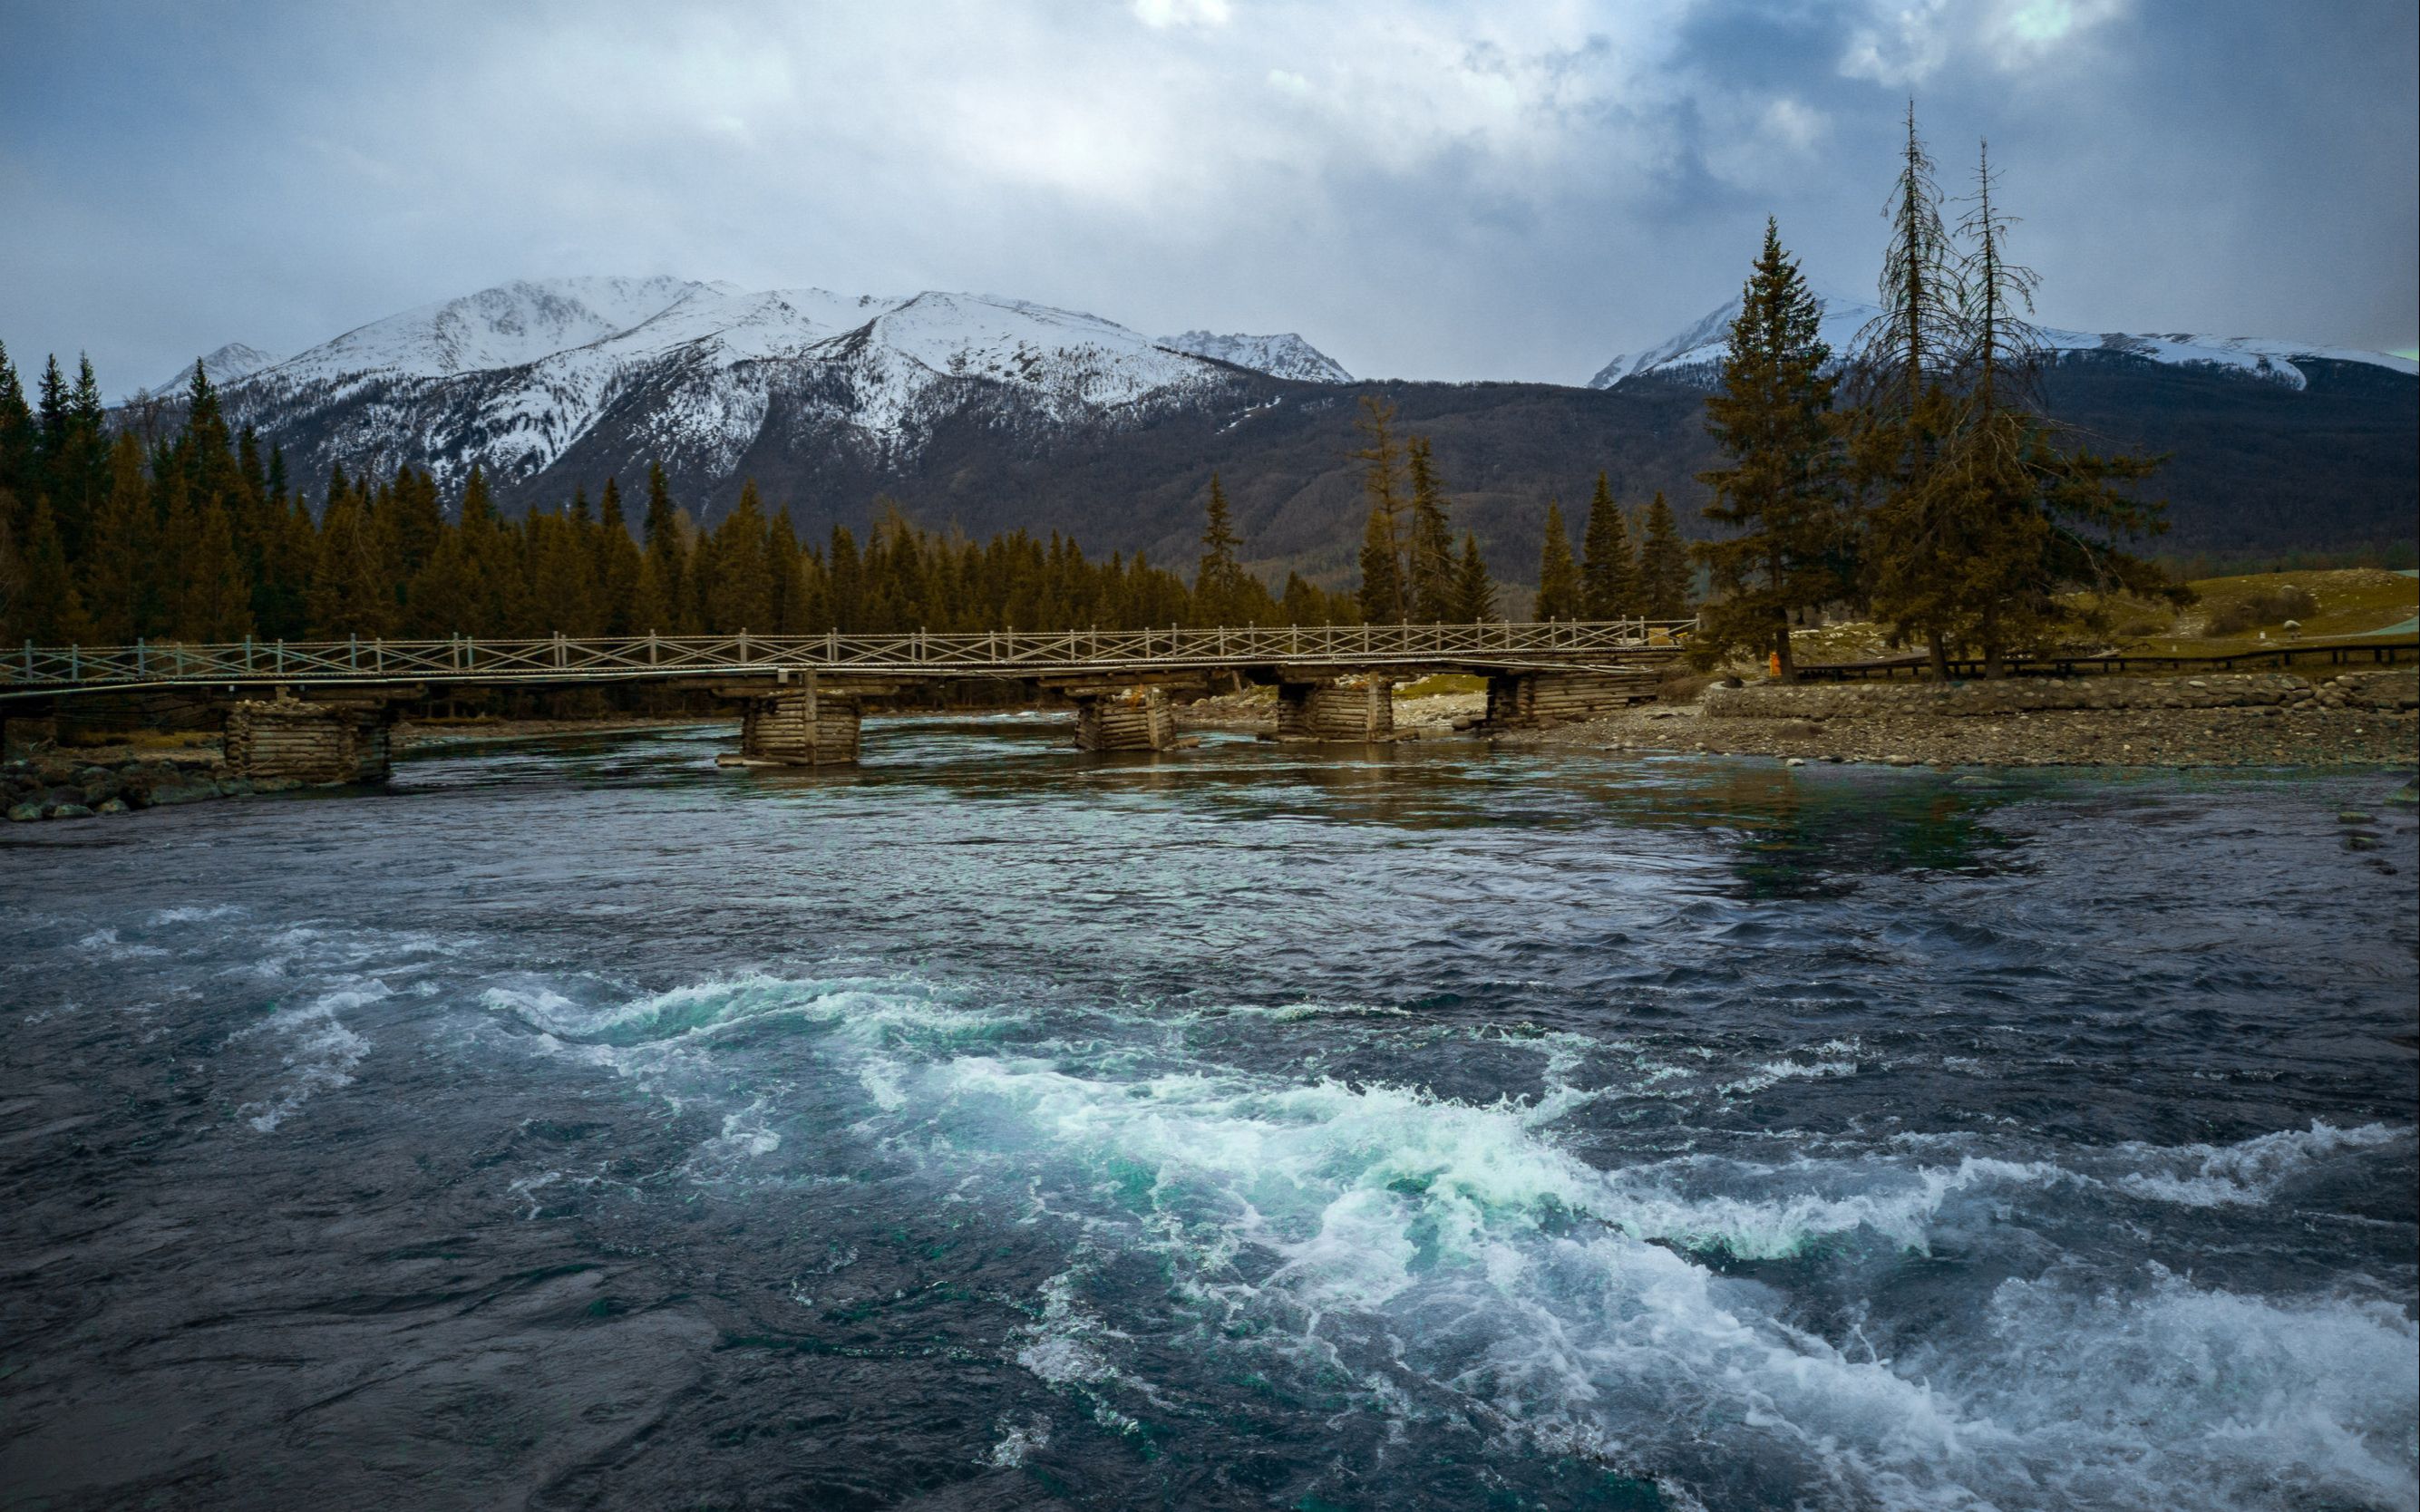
{"x":200,"y":537}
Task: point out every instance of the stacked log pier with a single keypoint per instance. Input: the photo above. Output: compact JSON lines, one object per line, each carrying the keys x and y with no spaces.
{"x":802,"y":728}
{"x":308,"y":742}
{"x":1521,"y":700}
{"x":1339,"y":709}
{"x":807,"y":723}
{"x":1132,"y":718}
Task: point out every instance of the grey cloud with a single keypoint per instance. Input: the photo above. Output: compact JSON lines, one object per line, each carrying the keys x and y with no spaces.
{"x":1455,"y":190}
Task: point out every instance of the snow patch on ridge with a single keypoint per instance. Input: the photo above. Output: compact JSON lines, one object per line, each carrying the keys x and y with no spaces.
{"x":1694,"y":353}
{"x":1285,"y":355}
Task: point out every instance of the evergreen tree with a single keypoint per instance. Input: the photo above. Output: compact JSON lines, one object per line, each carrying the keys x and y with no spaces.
{"x":20,"y":447}
{"x":1431,"y":565}
{"x":1991,"y":520}
{"x":121,"y":544}
{"x":1559,"y":593}
{"x":44,"y":606}
{"x":1220,"y":592}
{"x":1780,"y":495}
{"x":740,"y":593}
{"x":1662,"y":566}
{"x":1474,"y":591}
{"x":214,"y":602}
{"x":1382,"y":601}
{"x":664,"y":583}
{"x":1915,"y":337}
{"x":617,"y":569}
{"x":1382,"y":485}
{"x":1608,"y":573}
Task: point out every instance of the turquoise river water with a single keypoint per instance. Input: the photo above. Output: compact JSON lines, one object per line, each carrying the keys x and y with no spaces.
{"x":575,"y":1124}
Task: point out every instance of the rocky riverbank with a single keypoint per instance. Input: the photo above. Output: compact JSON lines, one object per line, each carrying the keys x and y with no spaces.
{"x":2262,"y":719}
{"x":92,"y":785}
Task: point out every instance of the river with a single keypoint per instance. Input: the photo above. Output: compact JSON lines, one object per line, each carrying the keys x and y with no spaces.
{"x":991,"y":1126}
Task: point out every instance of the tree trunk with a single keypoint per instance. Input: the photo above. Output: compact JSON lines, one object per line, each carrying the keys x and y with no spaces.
{"x":1781,"y":649}
{"x":1940,"y":649}
{"x":1994,"y":666}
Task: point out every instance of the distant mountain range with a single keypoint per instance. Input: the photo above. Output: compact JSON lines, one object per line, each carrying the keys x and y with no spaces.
{"x":1696,"y":354}
{"x":995,"y":413}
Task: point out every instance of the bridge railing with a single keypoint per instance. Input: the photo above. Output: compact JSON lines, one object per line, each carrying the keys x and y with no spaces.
{"x":974,"y":653}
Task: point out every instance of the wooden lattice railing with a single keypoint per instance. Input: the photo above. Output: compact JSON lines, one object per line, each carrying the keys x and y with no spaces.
{"x":1573,"y":645}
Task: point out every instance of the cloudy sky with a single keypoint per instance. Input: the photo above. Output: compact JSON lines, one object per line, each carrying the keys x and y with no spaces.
{"x":1481,"y":189}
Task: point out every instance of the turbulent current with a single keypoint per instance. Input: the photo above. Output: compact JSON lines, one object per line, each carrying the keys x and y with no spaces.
{"x":993,"y":1126}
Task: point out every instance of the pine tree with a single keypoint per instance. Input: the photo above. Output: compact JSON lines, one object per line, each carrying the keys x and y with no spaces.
{"x":1474,"y":591}
{"x":1916,"y":335}
{"x":45,"y":606}
{"x":1382,"y":600}
{"x":1218,"y":586}
{"x":1990,"y":519}
{"x":214,"y":606}
{"x":1382,"y":485}
{"x":740,"y":597}
{"x":1559,"y":593}
{"x":121,"y":544}
{"x":664,"y":590}
{"x":617,"y":567}
{"x":1662,"y":566}
{"x":20,"y":446}
{"x":1431,"y":566}
{"x":1781,"y":493}
{"x":1608,"y":573}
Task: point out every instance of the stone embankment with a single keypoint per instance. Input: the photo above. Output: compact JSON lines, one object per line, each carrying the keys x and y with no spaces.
{"x":67,"y":785}
{"x":2244,"y":720}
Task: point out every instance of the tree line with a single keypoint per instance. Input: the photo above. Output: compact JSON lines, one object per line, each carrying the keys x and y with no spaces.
{"x":1917,"y":481}
{"x":200,"y":536}
{"x":1412,"y":572}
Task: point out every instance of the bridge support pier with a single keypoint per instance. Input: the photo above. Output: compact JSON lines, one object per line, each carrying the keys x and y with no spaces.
{"x":289,"y":740}
{"x":1125,"y":718}
{"x":1352,"y":708}
{"x":806,"y":723}
{"x":1522,"y":700}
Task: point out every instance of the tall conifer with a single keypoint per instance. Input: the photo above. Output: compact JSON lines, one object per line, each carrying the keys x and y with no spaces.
{"x":1609,"y":572}
{"x":1382,"y":582}
{"x":1432,"y":574}
{"x":1559,"y":593}
{"x":1662,"y":566}
{"x":1780,"y":496}
{"x":1474,"y":591}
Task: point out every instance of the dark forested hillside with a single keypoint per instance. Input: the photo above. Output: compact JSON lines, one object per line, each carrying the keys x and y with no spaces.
{"x":2259,"y":467}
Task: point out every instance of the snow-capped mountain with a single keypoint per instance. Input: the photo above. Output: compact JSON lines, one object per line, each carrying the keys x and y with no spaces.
{"x":1693,"y":355}
{"x":229,"y":362}
{"x":1285,"y":356}
{"x":513,"y":376}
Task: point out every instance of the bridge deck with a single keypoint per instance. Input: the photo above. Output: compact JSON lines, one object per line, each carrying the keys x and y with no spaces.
{"x":1560,"y":646}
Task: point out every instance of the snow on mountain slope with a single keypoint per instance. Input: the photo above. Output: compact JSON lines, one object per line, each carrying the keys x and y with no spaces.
{"x":1695,"y":352}
{"x":1286,"y":355}
{"x":509,"y":325}
{"x":512,"y":377}
{"x":229,"y":362}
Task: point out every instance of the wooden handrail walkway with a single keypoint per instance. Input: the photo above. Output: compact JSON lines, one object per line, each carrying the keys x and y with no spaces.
{"x":2336,"y":652}
{"x":1559,"y":646}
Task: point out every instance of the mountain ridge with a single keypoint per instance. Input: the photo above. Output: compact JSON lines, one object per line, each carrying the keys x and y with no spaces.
{"x":988,"y":413}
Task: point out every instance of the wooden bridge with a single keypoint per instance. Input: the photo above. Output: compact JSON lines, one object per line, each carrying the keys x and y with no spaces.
{"x":308,"y":709}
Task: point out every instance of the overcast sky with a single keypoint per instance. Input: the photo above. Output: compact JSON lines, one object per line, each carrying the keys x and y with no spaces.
{"x":1455,"y":190}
